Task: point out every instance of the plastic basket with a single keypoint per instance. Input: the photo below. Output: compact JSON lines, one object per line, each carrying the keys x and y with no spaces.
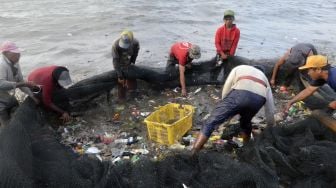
{"x":169,"y":123}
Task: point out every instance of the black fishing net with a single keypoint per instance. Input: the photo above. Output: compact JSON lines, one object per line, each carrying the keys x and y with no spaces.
{"x":296,"y":155}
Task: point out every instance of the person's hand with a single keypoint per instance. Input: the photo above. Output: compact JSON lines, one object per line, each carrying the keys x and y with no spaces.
{"x":184,"y":92}
{"x":30,"y":84}
{"x":122,"y":81}
{"x":332,"y":105}
{"x":287,"y":107}
{"x":65,"y":117}
{"x":224,"y":56}
{"x":272,"y":82}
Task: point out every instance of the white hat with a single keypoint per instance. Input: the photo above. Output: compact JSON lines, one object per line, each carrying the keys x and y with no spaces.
{"x":64,"y":79}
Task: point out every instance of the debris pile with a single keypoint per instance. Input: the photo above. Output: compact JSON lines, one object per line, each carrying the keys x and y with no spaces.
{"x":117,"y":132}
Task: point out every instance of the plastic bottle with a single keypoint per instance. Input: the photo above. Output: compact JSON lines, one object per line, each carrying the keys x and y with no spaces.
{"x":292,"y":111}
{"x":127,"y":141}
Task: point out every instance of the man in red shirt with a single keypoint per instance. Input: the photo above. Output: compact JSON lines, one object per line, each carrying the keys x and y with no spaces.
{"x":52,"y":79}
{"x":182,"y":53}
{"x":227,"y":36}
{"x":226,"y":40}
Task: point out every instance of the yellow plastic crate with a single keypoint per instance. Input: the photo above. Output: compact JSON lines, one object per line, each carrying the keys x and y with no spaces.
{"x":169,"y":123}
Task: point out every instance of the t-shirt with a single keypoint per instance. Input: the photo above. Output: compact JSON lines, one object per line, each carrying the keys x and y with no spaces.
{"x":44,"y":77}
{"x":180,"y":51}
{"x":331,"y":80}
{"x":299,"y":53}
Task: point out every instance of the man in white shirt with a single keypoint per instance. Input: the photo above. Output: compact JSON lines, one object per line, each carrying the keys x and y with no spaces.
{"x":10,"y":79}
{"x":245,"y":92}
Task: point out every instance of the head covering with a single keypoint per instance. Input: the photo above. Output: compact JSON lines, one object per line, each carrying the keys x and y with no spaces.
{"x":260,"y":67}
{"x":296,"y":58}
{"x":194,"y":52}
{"x":228,"y":13}
{"x":64,"y":79}
{"x":126,"y":38}
{"x":9,"y":46}
{"x":128,"y":33}
{"x":315,"y":61}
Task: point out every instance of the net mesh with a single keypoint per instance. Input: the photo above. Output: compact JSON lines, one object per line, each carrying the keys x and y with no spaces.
{"x":296,"y":155}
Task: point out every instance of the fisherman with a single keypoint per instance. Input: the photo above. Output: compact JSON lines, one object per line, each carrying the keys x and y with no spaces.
{"x":182,"y":53}
{"x":321,"y":73}
{"x":226,"y":42}
{"x":10,"y":79}
{"x":53,"y":80}
{"x":245,"y":92}
{"x":227,"y":37}
{"x":124,"y":53}
{"x":294,"y":57}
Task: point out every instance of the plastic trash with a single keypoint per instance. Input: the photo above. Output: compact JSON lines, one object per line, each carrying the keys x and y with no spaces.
{"x":140,"y":151}
{"x":279,"y":116}
{"x":292,"y":110}
{"x":144,"y":114}
{"x":106,"y":139}
{"x":177,"y":147}
{"x":214,"y":96}
{"x":116,"y":117}
{"x":220,"y":76}
{"x":334,"y":114}
{"x":92,"y":150}
{"x":238,"y":141}
{"x":197,"y":90}
{"x":99,"y":157}
{"x":116,"y":160}
{"x":128,"y":141}
{"x":135,"y":158}
{"x":188,"y":140}
{"x":214,"y":138}
{"x":206,"y":117}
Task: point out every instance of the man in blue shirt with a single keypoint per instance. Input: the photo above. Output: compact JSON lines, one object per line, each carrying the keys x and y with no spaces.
{"x":321,"y":73}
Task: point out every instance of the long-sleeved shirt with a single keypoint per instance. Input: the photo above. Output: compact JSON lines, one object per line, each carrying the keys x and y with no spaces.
{"x":234,"y":81}
{"x":226,"y":39}
{"x":10,"y":75}
{"x":122,"y":58}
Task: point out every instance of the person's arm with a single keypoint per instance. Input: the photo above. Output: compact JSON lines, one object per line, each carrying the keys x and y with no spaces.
{"x":269,"y":107}
{"x":47,"y":91}
{"x":301,"y":96}
{"x":182,"y":80}
{"x":332,"y":105}
{"x":6,"y":85}
{"x":136,"y":51}
{"x":201,"y":140}
{"x":64,"y":114}
{"x":26,"y":85}
{"x":218,"y":44}
{"x":325,"y":119}
{"x":230,"y":81}
{"x":116,"y":60}
{"x":235,"y":42}
{"x":278,"y":64}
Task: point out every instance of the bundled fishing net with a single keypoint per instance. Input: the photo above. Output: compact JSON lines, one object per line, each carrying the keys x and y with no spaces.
{"x":297,"y":155}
